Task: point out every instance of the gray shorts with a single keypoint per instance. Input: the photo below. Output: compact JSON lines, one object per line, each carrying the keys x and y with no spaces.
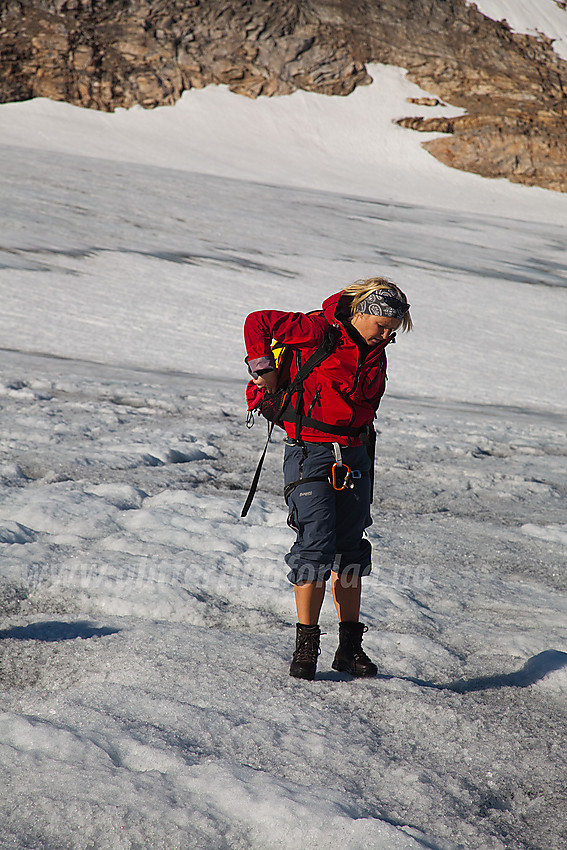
{"x":329,"y":523}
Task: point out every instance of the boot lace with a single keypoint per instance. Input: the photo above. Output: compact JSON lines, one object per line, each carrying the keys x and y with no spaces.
{"x":308,"y":648}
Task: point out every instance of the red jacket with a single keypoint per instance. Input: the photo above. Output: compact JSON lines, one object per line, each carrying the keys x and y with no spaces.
{"x":345,"y":389}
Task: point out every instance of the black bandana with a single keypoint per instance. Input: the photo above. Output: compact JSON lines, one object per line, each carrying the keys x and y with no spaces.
{"x":384,"y":302}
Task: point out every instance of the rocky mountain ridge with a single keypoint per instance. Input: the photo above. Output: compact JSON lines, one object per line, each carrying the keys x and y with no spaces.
{"x":104,"y":55}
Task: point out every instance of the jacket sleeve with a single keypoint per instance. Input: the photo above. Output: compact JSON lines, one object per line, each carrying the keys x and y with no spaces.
{"x":297,"y":329}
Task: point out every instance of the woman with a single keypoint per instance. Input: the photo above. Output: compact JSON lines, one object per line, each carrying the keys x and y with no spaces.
{"x":328,"y":422}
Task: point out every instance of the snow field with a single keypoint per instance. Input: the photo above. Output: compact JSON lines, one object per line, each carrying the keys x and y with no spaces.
{"x":146,"y":629}
{"x":470,"y":342}
{"x":347,"y":145}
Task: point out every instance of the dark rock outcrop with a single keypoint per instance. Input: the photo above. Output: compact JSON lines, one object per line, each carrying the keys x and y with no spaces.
{"x":119,"y":53}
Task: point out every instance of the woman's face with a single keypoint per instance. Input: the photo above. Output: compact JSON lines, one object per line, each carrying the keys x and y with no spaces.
{"x":374,"y":329}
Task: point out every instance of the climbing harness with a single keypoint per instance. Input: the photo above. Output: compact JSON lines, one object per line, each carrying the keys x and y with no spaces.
{"x":340,"y":475}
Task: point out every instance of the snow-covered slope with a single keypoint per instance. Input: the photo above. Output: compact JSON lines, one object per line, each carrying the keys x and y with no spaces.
{"x":543,"y":17}
{"x":347,"y":145}
{"x":146,"y":629}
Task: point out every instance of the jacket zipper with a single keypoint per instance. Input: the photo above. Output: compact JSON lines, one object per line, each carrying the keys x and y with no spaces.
{"x":373,"y":356}
{"x":316,"y":399}
{"x":357,"y":373}
{"x":361,"y":362}
{"x":379,"y":371}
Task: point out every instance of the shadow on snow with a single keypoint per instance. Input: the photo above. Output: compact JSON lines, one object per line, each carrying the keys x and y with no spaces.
{"x":56,"y":631}
{"x":533,"y":671}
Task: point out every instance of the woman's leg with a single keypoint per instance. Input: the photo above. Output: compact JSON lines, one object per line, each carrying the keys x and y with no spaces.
{"x":353,"y":549}
{"x":312,"y":515}
{"x":353,"y":561}
{"x":350,"y":656}
{"x":347,"y":589}
{"x":309,"y":597}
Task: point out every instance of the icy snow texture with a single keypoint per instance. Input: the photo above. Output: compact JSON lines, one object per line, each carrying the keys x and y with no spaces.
{"x":146,"y":629}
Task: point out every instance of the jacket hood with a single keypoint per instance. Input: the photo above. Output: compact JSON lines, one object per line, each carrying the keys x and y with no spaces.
{"x":336,"y":306}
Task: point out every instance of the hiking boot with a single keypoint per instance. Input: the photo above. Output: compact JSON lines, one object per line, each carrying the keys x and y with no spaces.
{"x":350,"y":657}
{"x":304,"y":661}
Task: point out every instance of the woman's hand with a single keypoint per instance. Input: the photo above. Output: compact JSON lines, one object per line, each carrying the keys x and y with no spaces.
{"x":267,"y":382}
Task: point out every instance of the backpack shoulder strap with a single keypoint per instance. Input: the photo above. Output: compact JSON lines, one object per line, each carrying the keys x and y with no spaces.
{"x":330,"y":340}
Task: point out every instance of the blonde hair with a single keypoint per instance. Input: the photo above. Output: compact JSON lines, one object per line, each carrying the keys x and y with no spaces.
{"x":361,"y":289}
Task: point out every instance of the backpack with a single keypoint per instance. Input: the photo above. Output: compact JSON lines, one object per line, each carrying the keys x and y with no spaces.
{"x":271,"y":406}
{"x":274,"y":406}
{"x":277,"y":407}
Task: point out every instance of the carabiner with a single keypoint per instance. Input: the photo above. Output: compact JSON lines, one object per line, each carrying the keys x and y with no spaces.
{"x":341,"y":476}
